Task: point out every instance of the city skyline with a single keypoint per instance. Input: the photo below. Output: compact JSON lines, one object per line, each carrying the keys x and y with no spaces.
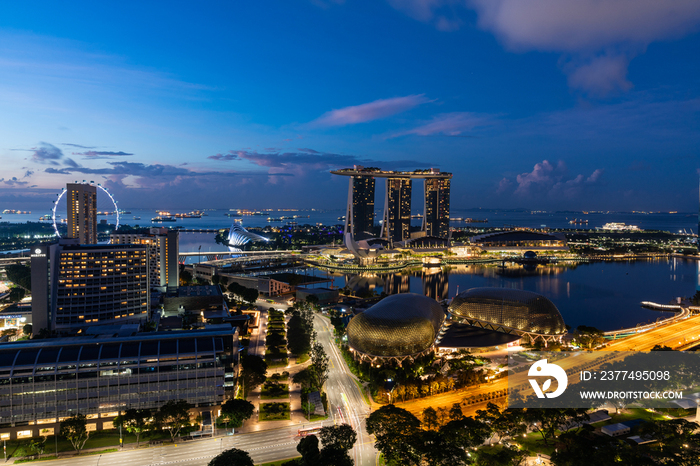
{"x":554,"y":111}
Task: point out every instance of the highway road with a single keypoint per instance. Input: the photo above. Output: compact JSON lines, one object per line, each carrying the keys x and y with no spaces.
{"x":344,"y":396}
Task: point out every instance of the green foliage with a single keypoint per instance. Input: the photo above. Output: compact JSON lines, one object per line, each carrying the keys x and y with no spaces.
{"x":430,"y":418}
{"x":20,"y":275}
{"x":135,"y":421}
{"x":27,"y":329}
{"x":588,"y":337}
{"x":320,"y":364}
{"x":253,"y":373}
{"x":341,"y":437}
{"x":274,"y":411}
{"x":173,"y":416}
{"x":396,"y":432}
{"x":235,"y":411}
{"x":232,"y":457}
{"x":74,"y":429}
{"x":185,"y":278}
{"x":502,"y":456}
{"x":249,"y":295}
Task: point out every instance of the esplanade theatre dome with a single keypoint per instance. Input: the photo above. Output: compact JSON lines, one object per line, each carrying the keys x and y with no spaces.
{"x":518,"y":310}
{"x":399,"y":325}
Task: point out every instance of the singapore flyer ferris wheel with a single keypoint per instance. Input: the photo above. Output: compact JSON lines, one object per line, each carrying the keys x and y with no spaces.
{"x":106,"y":208}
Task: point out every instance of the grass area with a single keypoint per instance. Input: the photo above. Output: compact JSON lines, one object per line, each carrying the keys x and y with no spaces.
{"x":53,"y":457}
{"x":100,"y":439}
{"x":271,"y":391}
{"x":272,"y":363}
{"x":303,"y":358}
{"x":278,"y":463}
{"x":276,"y":351}
{"x":315,"y":417}
{"x":274,"y":412}
{"x":629,"y":414}
{"x":276,"y":325}
{"x":534,"y":443}
{"x":362,"y":390}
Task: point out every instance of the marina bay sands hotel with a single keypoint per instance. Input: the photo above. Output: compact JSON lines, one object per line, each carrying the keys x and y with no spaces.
{"x":396,"y":222}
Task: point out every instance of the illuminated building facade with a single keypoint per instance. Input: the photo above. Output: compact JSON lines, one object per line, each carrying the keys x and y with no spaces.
{"x":362,"y":206}
{"x":44,"y":381}
{"x":82,"y":212}
{"x":163,"y":246}
{"x":397,"y":210}
{"x":76,"y":286}
{"x":436,"y":219}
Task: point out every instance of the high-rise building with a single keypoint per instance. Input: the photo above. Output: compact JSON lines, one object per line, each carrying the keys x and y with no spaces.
{"x":163,"y":248}
{"x":82,"y":212}
{"x":397,"y":209}
{"x":436,"y":220}
{"x":76,"y":286}
{"x":362,"y":206}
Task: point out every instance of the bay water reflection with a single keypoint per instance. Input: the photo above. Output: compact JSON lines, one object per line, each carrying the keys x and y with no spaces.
{"x":606,"y":295}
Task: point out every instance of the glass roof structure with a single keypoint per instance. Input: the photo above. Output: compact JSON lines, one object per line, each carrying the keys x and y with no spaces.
{"x":399,"y":325}
{"x":520,"y":310}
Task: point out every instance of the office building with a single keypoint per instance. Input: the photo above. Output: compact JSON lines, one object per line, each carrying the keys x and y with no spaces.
{"x":397,"y":210}
{"x":43,"y":382}
{"x":75,"y":286}
{"x":163,"y":247}
{"x":82,"y":212}
{"x":362,"y":206}
{"x":436,"y":219}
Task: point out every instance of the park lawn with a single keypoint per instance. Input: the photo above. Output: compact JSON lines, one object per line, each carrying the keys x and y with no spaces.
{"x":315,"y":417}
{"x":302,"y":358}
{"x":533,"y":442}
{"x":276,"y":325}
{"x":276,"y":352}
{"x":274,"y":412}
{"x":272,"y":363}
{"x":278,"y":463}
{"x":274,"y":391}
{"x":629,"y":414}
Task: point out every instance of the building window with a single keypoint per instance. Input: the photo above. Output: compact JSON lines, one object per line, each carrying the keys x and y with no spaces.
{"x":24,"y":434}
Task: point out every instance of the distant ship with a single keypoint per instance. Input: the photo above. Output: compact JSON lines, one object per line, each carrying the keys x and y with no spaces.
{"x":44,"y":217}
{"x":619,"y":227}
{"x":577,"y":221}
{"x":163,"y":219}
{"x":137,"y":218}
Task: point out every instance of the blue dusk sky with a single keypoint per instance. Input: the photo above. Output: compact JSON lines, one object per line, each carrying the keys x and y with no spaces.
{"x":541,"y":104}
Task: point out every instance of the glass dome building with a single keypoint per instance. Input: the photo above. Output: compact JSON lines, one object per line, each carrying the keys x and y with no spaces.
{"x":510,"y":311}
{"x":399,"y":326}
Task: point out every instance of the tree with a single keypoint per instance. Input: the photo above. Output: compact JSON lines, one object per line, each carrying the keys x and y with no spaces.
{"x":232,"y":457}
{"x":173,"y":416}
{"x":304,"y":378}
{"x":308,"y":447}
{"x":430,"y":419}
{"x":20,"y":275}
{"x":27,"y":329}
{"x":501,"y":456}
{"x":38,"y":445}
{"x":185,"y":277}
{"x":235,"y":411}
{"x":465,"y":433}
{"x":342,"y":437}
{"x":135,"y":421}
{"x":254,"y":372}
{"x":396,"y":432}
{"x":547,"y":421}
{"x":456,"y":412}
{"x":75,"y":430}
{"x":588,"y":337}
{"x":437,"y":451}
{"x":215,"y":279}
{"x":319,"y":361}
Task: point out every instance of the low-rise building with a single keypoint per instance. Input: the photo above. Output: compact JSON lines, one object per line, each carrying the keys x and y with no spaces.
{"x":45,"y":381}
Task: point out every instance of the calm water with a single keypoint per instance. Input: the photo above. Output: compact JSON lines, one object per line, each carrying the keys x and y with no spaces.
{"x":217,"y":219}
{"x":603,"y":295}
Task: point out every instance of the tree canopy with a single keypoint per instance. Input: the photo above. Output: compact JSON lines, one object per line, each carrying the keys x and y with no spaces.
{"x":232,"y":457}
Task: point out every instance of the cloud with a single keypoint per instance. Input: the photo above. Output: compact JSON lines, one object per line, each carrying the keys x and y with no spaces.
{"x":376,"y":110}
{"x":77,"y":145}
{"x":309,"y":160}
{"x":47,"y":153}
{"x":138,"y":169}
{"x":597,"y":38}
{"x":13,"y":181}
{"x":28,"y":173}
{"x":439,"y":13}
{"x":449,"y":124}
{"x":102,"y":154}
{"x":548,"y":180}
